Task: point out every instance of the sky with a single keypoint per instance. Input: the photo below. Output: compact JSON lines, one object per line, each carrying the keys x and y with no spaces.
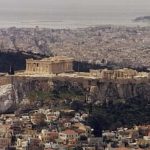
{"x":24,"y":10}
{"x":71,"y":4}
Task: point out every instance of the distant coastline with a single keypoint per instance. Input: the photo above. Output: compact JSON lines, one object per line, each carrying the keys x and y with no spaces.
{"x":72,"y":24}
{"x":143,"y":19}
{"x":77,"y":14}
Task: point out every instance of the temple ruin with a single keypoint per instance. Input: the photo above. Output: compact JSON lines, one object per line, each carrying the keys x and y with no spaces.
{"x":124,"y":73}
{"x":51,"y":65}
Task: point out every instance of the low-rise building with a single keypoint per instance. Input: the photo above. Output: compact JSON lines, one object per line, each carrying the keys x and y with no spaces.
{"x":48,"y":136}
{"x":69,"y":136}
{"x":84,"y":129}
{"x":5,"y":143}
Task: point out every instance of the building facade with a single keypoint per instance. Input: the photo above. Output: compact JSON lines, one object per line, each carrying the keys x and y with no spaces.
{"x":69,"y":136}
{"x":51,"y":65}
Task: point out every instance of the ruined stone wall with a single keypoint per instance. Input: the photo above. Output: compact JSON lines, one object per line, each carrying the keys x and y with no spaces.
{"x":5,"y":80}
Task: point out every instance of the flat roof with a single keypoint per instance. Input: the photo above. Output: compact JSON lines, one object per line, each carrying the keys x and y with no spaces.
{"x":53,"y":59}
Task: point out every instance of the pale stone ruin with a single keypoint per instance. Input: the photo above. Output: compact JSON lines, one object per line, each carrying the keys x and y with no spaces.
{"x":51,"y":65}
{"x":64,"y":64}
{"x":124,"y":73}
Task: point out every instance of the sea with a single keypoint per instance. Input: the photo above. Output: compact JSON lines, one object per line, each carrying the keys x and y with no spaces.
{"x":72,"y":13}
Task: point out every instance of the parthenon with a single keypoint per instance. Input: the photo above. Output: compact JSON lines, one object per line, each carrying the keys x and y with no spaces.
{"x":51,"y":65}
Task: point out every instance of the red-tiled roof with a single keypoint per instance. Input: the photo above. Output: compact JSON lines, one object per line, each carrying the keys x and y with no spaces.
{"x":121,"y":148}
{"x":53,"y":134}
{"x":69,"y":132}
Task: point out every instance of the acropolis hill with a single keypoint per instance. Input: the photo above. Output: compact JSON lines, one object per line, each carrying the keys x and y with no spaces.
{"x":55,"y":74}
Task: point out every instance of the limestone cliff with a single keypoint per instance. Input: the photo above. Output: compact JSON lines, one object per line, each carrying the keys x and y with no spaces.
{"x":93,"y":90}
{"x":7,"y":97}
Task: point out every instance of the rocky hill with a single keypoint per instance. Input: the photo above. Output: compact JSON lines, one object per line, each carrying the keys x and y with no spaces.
{"x":61,"y":88}
{"x":6,"y":97}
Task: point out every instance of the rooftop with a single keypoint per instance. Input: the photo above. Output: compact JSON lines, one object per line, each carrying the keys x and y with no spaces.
{"x":69,"y":132}
{"x":54,"y":59}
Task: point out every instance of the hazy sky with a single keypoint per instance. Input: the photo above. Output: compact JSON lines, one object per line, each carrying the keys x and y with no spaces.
{"x":101,"y":10}
{"x":72,"y":4}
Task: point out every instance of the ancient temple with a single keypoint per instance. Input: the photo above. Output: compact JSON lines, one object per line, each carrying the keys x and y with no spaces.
{"x":124,"y":73}
{"x":51,"y":65}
